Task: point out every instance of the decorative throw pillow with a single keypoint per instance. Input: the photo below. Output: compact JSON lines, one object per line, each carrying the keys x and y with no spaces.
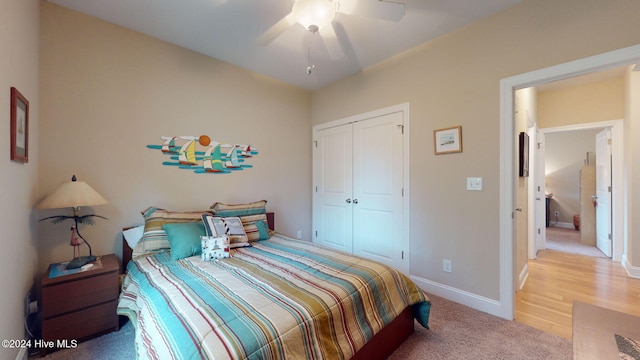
{"x":184,"y":239}
{"x":154,"y":238}
{"x":225,"y":210}
{"x":251,"y":214}
{"x":263,"y":230}
{"x":231,"y":226}
{"x":215,"y":247}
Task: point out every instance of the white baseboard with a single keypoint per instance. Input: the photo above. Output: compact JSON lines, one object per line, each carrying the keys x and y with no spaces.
{"x":632,"y":271}
{"x":466,"y":298}
{"x":524,"y":274}
{"x":564,"y":225}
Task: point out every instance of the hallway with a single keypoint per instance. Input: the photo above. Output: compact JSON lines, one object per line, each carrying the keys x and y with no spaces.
{"x":556,"y":279}
{"x":568,"y":240}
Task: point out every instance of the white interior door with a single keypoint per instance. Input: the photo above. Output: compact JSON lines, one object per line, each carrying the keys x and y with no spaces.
{"x":333,"y":210}
{"x":540,"y":195}
{"x":603,"y":191}
{"x":377,"y":189}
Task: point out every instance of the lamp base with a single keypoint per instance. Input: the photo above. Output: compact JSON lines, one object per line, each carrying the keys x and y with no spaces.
{"x":80,"y":261}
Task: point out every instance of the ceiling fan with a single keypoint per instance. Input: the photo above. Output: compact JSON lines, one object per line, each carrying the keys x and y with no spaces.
{"x":317,"y":16}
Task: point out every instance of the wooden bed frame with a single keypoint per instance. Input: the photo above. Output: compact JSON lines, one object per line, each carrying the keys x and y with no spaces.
{"x":379,"y":347}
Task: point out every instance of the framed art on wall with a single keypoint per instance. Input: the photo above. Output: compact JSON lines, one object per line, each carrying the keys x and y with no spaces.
{"x":448,"y":140}
{"x":19,"y":127}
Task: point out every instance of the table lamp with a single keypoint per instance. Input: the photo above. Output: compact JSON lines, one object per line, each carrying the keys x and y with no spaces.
{"x":74,"y":194}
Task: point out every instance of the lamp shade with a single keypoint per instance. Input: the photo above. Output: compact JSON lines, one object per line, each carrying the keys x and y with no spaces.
{"x":72,"y":194}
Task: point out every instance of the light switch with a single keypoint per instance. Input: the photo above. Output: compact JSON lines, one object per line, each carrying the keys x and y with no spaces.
{"x":474,"y":183}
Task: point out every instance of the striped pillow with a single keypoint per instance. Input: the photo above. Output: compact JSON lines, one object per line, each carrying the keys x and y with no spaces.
{"x":253,"y":216}
{"x":154,"y":237}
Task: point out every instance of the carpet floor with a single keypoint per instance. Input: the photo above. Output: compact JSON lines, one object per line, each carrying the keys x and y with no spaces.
{"x":457,"y":332}
{"x":568,"y":240}
{"x":460,"y":332}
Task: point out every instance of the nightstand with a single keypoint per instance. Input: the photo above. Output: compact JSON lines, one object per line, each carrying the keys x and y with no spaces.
{"x":81,"y":305}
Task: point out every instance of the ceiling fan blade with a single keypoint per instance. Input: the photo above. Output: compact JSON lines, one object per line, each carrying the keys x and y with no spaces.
{"x":384,"y":10}
{"x":331,"y":42}
{"x":273,"y":32}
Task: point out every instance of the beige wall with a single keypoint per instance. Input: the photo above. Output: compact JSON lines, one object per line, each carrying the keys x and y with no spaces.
{"x":18,"y":259}
{"x":107,"y":92}
{"x":598,"y":101}
{"x":454,"y":80}
{"x":565,"y":155}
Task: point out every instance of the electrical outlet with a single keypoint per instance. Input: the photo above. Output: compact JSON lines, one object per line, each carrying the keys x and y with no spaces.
{"x":299,"y":234}
{"x":446,"y":265}
{"x":474,"y":183}
{"x":557,"y":213}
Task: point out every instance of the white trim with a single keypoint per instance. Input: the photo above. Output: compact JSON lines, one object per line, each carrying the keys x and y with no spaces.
{"x":532,"y":224}
{"x":404,"y":108}
{"x":632,"y":271}
{"x":563,"y":225}
{"x":466,"y":298}
{"x":625,"y":56}
{"x":524,"y":275}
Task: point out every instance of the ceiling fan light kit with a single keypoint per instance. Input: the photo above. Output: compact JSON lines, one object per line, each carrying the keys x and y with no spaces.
{"x":313,"y":12}
{"x":319,"y":17}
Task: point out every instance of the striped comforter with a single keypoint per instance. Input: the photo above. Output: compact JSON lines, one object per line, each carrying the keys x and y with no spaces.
{"x":281,"y":298}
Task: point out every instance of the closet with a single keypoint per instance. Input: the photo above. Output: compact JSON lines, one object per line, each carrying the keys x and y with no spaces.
{"x":358,"y":186}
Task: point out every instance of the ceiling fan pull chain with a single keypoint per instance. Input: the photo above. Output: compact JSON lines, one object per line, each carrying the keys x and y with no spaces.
{"x":310,"y":66}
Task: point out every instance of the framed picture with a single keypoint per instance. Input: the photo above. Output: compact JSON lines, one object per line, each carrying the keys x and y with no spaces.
{"x":448,"y":140}
{"x":523,"y":167}
{"x":19,"y":127}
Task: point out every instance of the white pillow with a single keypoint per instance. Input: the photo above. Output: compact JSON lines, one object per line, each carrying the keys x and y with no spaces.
{"x":133,"y":235}
{"x":215,"y":247}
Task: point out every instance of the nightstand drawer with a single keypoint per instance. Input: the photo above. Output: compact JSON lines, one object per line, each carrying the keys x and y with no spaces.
{"x":75,"y":295}
{"x":81,"y":324}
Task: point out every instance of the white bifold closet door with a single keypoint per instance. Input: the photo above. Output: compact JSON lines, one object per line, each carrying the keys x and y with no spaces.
{"x":359,"y":195}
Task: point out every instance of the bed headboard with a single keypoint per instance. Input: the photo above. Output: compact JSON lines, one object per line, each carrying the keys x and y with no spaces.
{"x":127,"y":251}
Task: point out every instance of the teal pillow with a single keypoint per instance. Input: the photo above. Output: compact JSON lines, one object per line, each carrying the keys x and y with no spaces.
{"x":263,"y":230}
{"x":184,"y":238}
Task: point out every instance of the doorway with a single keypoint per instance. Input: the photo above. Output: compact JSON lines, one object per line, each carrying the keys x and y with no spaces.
{"x":508,"y":276}
{"x":562,"y":181}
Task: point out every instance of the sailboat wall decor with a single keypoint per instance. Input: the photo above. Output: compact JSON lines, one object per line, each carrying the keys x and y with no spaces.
{"x":202,"y":155}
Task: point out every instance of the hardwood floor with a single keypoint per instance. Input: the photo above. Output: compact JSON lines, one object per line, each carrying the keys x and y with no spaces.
{"x":556,"y":279}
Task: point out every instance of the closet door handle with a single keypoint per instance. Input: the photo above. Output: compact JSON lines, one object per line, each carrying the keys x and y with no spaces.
{"x":355,"y":201}
{"x":348,"y":201}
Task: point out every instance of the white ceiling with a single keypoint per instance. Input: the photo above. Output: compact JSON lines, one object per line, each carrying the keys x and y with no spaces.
{"x":227,"y":30}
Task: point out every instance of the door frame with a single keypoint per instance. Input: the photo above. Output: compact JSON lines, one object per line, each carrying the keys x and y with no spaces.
{"x":404,"y":109}
{"x":617,"y":176}
{"x":616,"y":58}
{"x":604,"y":215}
{"x":539,"y":240}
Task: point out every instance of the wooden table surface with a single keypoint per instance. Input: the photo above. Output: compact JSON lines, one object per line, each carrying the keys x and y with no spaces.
{"x":594,"y":330}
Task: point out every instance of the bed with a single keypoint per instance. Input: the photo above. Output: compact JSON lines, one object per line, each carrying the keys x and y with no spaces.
{"x":279,"y":298}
